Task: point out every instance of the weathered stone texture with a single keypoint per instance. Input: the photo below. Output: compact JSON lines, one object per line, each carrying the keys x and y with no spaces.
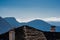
{"x":33,"y":34}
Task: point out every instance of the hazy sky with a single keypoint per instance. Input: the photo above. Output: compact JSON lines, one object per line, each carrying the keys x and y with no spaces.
{"x":30,"y":9}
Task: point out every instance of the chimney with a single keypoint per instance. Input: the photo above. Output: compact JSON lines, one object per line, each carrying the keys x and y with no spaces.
{"x":12,"y":35}
{"x":52,"y":29}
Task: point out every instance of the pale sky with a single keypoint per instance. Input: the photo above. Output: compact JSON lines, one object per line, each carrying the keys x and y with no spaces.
{"x":25,"y":10}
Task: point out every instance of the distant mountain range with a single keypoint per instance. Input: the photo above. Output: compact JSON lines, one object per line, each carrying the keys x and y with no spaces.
{"x":38,"y":24}
{"x":4,"y":26}
{"x":56,"y":23}
{"x":10,"y":23}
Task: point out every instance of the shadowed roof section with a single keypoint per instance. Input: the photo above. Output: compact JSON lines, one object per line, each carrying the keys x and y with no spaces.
{"x":4,"y":26}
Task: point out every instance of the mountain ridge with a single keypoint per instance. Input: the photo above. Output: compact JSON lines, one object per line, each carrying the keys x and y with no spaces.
{"x":56,"y":23}
{"x":38,"y":24}
{"x":4,"y":26}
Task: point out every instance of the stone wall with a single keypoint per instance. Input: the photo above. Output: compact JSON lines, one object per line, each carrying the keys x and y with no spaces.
{"x":29,"y":33}
{"x":33,"y":34}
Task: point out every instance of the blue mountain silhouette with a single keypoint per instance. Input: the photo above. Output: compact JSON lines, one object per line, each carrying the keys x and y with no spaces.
{"x":56,"y":23}
{"x":4,"y":26}
{"x":13,"y":22}
{"x":9,"y":23}
{"x":38,"y":24}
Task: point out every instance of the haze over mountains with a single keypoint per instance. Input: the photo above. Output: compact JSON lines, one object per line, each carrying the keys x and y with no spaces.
{"x":56,"y":23}
{"x":38,"y":24}
{"x":9,"y":23}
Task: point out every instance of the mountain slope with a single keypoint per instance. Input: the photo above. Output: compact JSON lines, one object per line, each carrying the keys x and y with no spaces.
{"x":39,"y":24}
{"x":57,"y":28}
{"x":54,"y":23}
{"x":12,"y":21}
{"x":4,"y":26}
